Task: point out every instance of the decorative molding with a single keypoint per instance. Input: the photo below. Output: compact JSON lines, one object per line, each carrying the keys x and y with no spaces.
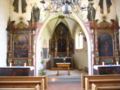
{"x":22,"y":26}
{"x":104,"y":25}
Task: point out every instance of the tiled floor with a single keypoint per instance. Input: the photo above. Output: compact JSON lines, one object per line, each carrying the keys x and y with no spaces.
{"x":64,"y":81}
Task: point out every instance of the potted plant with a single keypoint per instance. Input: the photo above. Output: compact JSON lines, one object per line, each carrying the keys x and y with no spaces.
{"x":42,"y":70}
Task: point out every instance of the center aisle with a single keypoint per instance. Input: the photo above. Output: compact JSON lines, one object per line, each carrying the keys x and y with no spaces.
{"x":64,"y":81}
{"x":64,"y":86}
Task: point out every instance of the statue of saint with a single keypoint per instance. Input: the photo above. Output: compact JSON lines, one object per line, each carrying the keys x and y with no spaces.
{"x":35,"y":14}
{"x":91,"y":12}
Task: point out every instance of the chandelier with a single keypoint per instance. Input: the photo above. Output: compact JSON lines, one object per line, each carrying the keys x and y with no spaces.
{"x":66,"y":6}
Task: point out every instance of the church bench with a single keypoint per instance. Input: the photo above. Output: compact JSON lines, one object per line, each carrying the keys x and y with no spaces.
{"x":22,"y":85}
{"x":101,"y":79}
{"x":109,"y":86}
{"x":17,"y":88}
{"x":36,"y":82}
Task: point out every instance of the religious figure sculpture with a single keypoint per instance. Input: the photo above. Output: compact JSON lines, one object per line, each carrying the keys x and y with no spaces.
{"x":35,"y":14}
{"x":91,"y":12}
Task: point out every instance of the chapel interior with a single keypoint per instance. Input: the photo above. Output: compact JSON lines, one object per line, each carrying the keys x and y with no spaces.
{"x":49,"y":41}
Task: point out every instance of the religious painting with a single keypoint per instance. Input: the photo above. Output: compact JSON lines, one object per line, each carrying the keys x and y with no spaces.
{"x":105,"y":45}
{"x":21,"y":45}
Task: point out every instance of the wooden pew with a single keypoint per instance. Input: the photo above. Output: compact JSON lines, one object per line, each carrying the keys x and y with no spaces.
{"x":24,"y":82}
{"x":88,"y":80}
{"x":109,"y":86}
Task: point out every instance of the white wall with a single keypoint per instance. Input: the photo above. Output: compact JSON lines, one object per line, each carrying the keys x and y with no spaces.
{"x":81,"y":57}
{"x":4,"y":14}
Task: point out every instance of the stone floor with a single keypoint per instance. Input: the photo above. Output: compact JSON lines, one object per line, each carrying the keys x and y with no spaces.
{"x":64,"y":81}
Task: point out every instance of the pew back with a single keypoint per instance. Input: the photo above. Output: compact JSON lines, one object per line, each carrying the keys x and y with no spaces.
{"x":109,"y":86}
{"x":33,"y":82}
{"x":99,"y":79}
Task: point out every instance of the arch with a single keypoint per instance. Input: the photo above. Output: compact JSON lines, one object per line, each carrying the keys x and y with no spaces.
{"x":88,"y":37}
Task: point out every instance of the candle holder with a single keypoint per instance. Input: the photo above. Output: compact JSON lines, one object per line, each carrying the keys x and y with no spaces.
{"x":117,"y":62}
{"x":25,"y":64}
{"x":10,"y":64}
{"x":103,"y":63}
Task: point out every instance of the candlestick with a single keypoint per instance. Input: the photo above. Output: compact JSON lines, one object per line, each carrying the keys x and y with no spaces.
{"x":10,"y":64}
{"x":103,"y":63}
{"x":117,"y":63}
{"x":25,"y":64}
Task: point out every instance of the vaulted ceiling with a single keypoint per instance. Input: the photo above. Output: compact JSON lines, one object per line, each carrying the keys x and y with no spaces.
{"x":72,"y":25}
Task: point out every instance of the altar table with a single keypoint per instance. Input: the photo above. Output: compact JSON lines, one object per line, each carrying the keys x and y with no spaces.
{"x":17,"y":71}
{"x":106,"y":69}
{"x":63,"y":66}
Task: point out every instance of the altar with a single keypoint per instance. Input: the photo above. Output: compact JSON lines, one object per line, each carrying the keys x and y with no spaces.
{"x":106,"y":69}
{"x":63,"y":66}
{"x":17,"y":71}
{"x":62,"y":60}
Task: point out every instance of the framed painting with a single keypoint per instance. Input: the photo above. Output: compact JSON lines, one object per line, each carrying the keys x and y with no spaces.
{"x":105,"y":45}
{"x":21,"y":44}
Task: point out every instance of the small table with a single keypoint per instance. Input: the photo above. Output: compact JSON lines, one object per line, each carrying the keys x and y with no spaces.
{"x":63,"y":66}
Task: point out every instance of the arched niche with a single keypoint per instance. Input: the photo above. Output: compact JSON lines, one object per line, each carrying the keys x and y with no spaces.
{"x":61,"y":46}
{"x":61,"y":43}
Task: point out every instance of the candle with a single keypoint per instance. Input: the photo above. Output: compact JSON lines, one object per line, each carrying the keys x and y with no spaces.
{"x":117,"y":63}
{"x":25,"y":64}
{"x":103,"y":63}
{"x":10,"y":64}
